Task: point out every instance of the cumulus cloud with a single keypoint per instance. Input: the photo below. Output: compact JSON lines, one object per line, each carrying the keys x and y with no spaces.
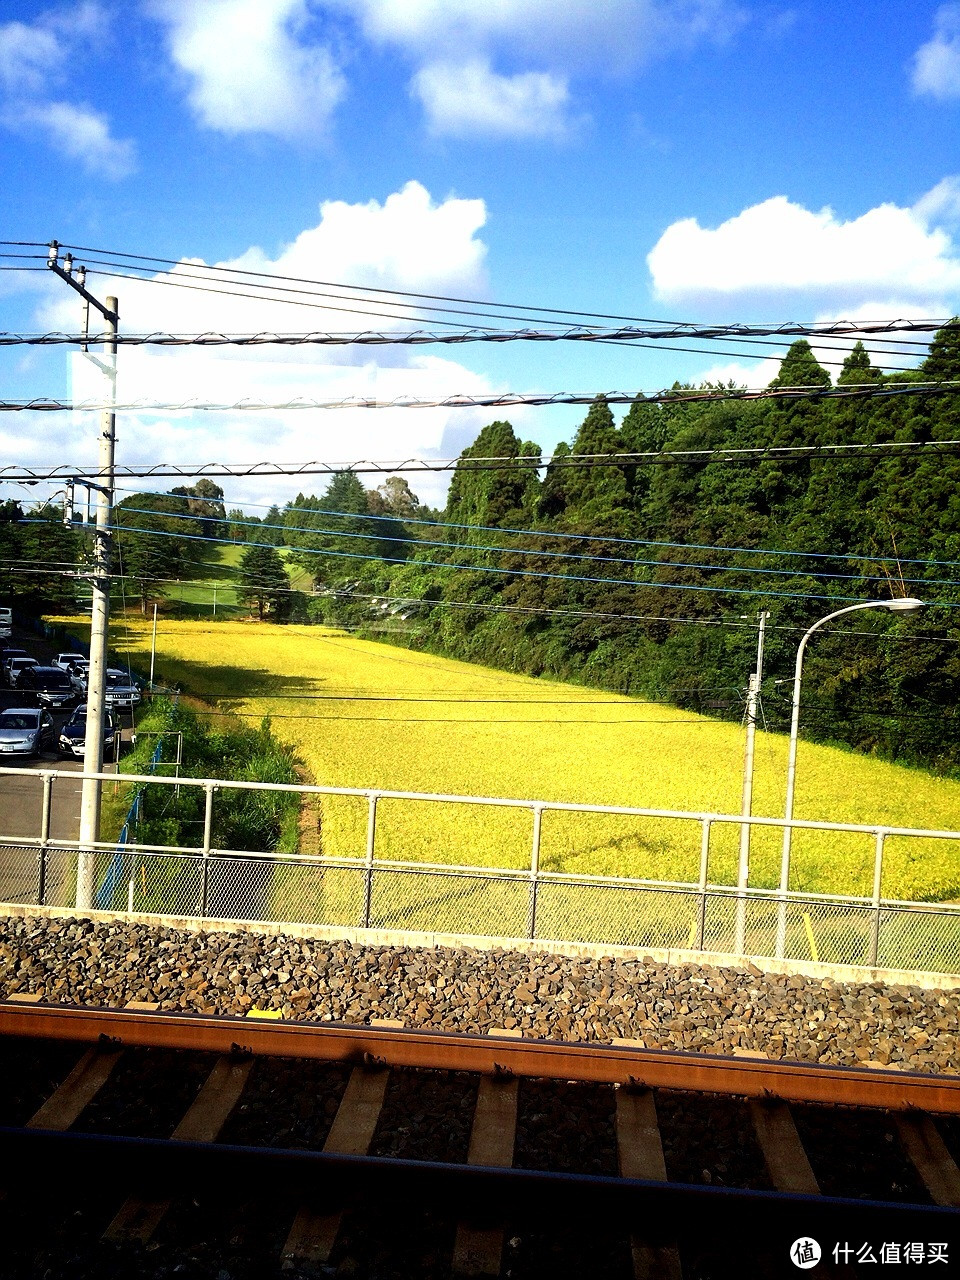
{"x":253,"y":66}
{"x":779,"y":247}
{"x":462,"y":100}
{"x":35,"y":57}
{"x":936,"y":64}
{"x":408,"y":241}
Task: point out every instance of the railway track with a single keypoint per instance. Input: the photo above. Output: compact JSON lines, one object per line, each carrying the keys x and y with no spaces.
{"x":381,"y":1151}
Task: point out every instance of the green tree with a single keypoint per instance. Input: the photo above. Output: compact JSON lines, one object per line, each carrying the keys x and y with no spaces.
{"x":156,"y":540}
{"x":205,"y":500}
{"x":857,"y":368}
{"x":264,"y":583}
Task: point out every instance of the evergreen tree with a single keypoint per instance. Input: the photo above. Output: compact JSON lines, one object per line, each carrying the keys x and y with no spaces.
{"x":553,"y":493}
{"x":595,"y":493}
{"x":336,"y":537}
{"x":800,"y":368}
{"x":500,"y":496}
{"x":857,"y":368}
{"x":271,"y":529}
{"x":943,"y":362}
{"x":264,"y":583}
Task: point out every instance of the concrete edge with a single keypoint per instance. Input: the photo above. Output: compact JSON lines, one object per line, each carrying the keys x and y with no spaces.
{"x":477,"y":942}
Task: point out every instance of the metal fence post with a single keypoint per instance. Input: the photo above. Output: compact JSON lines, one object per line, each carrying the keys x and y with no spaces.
{"x":875,"y":917}
{"x":42,"y":852}
{"x":534,"y":872}
{"x":208,"y":791}
{"x":780,"y":946}
{"x":704,"y":870}
{"x":368,"y":866}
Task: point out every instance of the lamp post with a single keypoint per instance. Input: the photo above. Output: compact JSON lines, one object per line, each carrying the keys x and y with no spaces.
{"x":906,"y":605}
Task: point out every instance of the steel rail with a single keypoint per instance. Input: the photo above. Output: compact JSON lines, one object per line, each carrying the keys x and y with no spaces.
{"x":663,"y":1208}
{"x":451,"y":1051}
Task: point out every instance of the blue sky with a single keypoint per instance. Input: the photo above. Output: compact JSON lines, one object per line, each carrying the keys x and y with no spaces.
{"x":687,"y":159}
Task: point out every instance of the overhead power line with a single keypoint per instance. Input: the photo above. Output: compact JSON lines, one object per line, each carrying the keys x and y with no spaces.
{"x":880,"y":347}
{"x":66,"y":471}
{"x":593,"y":537}
{"x":518,"y":573}
{"x":539,"y":552}
{"x":235,"y":584}
{"x":368,"y":291}
{"x":419,"y":337}
{"x":856,"y":391}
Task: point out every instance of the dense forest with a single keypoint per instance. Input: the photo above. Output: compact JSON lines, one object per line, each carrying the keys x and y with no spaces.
{"x":645,"y":576}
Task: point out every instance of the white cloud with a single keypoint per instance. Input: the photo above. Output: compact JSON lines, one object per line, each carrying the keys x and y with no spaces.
{"x":276,"y":66}
{"x":503,"y":68}
{"x":27,"y":56}
{"x":467,"y":99}
{"x":79,"y":132}
{"x":35,"y":57}
{"x":936,"y":64}
{"x":781,"y":247}
{"x":559,"y":33}
{"x":408,"y":241}
{"x":252,"y":65}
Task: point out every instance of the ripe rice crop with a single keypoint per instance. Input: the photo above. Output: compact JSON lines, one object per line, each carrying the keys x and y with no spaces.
{"x":363,"y":714}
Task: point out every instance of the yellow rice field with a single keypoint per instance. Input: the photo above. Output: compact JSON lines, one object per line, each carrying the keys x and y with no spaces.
{"x":362,"y":714}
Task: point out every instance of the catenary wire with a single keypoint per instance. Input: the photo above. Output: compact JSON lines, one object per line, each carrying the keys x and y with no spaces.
{"x":880,"y":350}
{"x":525,"y":551}
{"x":590,"y":537}
{"x":672,"y":619}
{"x":526,"y":573}
{"x":834,"y":451}
{"x":370,"y":290}
{"x":669,"y":396}
{"x":574,"y":333}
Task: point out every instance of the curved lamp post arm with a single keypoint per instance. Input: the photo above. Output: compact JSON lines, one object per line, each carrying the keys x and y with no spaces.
{"x":795,"y":710}
{"x":908,"y":605}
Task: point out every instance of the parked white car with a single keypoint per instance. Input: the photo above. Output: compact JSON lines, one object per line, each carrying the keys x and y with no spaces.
{"x":66,"y":660}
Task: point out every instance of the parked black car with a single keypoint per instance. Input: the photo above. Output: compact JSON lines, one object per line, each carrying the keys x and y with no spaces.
{"x":52,"y":686}
{"x":74,"y":732}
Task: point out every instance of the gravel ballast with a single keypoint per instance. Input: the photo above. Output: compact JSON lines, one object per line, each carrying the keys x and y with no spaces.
{"x":75,"y":960}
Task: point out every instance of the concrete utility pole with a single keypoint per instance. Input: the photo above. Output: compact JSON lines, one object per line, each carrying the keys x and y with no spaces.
{"x":746,"y":808}
{"x":100,"y":581}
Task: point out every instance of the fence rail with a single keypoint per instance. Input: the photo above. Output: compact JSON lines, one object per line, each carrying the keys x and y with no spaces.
{"x":368,"y":890}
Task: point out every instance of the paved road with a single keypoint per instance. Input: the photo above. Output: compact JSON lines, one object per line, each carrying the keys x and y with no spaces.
{"x":21,"y":798}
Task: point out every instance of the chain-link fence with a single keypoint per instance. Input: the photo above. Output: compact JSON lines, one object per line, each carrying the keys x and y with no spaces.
{"x":370,"y":889}
{"x":490,"y":902}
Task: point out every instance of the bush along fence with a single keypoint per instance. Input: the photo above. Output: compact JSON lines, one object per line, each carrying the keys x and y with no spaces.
{"x":211,"y":879}
{"x":115,"y":875}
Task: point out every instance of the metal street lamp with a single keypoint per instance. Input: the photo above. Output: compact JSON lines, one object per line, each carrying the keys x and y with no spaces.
{"x":907,"y":604}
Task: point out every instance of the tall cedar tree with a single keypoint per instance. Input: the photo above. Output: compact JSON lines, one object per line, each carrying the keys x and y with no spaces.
{"x":264,"y":583}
